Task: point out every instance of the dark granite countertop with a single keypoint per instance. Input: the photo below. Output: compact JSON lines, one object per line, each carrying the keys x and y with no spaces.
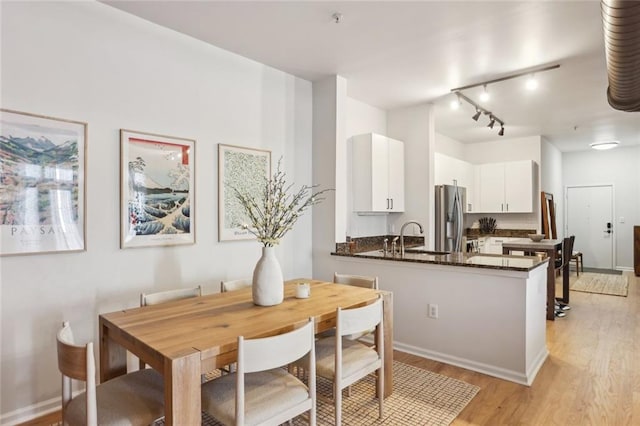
{"x":473,"y":260}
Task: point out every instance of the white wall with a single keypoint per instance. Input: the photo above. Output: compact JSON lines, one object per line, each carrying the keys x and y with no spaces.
{"x":414,"y":125}
{"x":619,"y":167}
{"x":89,"y":62}
{"x":551,"y":180}
{"x":363,"y":118}
{"x":450,"y":147}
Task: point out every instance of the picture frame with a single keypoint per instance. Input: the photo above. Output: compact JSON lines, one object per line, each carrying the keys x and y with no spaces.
{"x":246,"y":169}
{"x":157,"y":190}
{"x":42,"y":184}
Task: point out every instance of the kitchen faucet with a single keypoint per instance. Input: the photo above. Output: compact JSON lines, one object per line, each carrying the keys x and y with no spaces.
{"x":402,"y":234}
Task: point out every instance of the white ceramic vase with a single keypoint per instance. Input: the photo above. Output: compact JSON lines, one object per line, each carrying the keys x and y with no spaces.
{"x":268,"y":284}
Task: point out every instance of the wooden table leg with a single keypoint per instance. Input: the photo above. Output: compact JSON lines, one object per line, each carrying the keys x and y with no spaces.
{"x":182,"y":402}
{"x":551,"y":285}
{"x":388,"y":342}
{"x":565,"y":282}
{"x":113,"y":357}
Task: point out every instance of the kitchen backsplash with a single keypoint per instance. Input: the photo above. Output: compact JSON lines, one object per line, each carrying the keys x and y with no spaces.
{"x":517,"y":233}
{"x":362,"y":244}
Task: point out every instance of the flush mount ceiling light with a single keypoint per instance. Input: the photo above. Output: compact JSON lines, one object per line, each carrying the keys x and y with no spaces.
{"x":601,"y":146}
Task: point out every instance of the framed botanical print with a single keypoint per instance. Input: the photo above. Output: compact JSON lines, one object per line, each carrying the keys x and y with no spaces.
{"x":247,"y":170}
{"x":42,"y":184}
{"x":157,"y":190}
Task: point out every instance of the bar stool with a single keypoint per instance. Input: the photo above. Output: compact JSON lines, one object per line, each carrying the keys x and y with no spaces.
{"x":577,"y":256}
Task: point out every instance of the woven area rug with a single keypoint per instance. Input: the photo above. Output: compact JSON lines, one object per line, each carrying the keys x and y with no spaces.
{"x":615,"y":285}
{"x":419,"y":397}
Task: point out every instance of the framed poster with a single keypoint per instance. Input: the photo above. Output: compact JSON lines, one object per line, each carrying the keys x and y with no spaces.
{"x":157,"y":190}
{"x":42,"y":184}
{"x":247,"y":170}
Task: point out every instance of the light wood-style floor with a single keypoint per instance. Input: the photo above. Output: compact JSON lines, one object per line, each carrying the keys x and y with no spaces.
{"x":592,"y":375}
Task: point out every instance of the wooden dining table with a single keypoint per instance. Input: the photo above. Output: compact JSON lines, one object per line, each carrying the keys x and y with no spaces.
{"x":186,"y":338}
{"x":550,"y":248}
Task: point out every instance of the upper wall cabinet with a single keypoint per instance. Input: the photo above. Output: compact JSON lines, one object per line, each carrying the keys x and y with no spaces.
{"x":378,"y":174}
{"x":506,"y":187}
{"x":449,"y":169}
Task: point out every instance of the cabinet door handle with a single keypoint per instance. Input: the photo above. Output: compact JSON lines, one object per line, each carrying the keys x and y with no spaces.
{"x":501,"y":207}
{"x":507,"y":206}
{"x":387,"y":204}
{"x":392,"y":204}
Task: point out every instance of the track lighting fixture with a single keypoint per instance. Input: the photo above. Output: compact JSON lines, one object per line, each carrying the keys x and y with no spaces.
{"x":479,"y":111}
{"x":530,"y":71}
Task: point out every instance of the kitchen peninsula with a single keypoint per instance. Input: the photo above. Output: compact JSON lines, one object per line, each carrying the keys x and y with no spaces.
{"x":482,"y":312}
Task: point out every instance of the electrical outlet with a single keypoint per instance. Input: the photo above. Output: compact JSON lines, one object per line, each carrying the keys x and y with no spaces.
{"x":433,"y":311}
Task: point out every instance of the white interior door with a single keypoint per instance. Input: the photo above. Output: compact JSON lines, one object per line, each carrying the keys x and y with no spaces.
{"x":590,"y":218}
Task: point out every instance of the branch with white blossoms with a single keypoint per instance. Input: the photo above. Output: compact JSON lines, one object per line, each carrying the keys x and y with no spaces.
{"x":275,"y":211}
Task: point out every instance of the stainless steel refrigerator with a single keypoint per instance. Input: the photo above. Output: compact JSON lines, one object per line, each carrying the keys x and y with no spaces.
{"x":451,"y":202}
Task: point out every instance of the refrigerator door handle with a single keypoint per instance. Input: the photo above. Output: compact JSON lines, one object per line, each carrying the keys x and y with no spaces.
{"x":458,"y":206}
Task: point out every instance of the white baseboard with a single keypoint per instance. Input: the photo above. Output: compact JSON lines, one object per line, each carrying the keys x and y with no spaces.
{"x":491,"y":370}
{"x":30,"y":412}
{"x":624,"y":268}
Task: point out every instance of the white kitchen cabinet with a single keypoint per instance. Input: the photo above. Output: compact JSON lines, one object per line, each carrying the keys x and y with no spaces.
{"x":449,"y":169}
{"x":378,"y":174}
{"x":506,"y":187}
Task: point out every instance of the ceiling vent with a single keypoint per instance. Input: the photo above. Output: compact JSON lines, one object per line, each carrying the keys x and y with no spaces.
{"x":621,"y":21}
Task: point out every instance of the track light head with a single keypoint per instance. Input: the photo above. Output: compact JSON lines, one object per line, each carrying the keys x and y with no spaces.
{"x":484,"y":96}
{"x":492,"y":122}
{"x":455,"y":104}
{"x":501,"y":132}
{"x":476,"y":115}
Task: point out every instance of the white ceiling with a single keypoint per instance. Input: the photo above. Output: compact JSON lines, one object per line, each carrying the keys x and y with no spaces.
{"x":396,"y":54}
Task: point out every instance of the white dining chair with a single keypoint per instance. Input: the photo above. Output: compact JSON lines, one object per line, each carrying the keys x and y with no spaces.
{"x":346,"y":361}
{"x":132,"y":399}
{"x":235,"y":284}
{"x":358,"y":281}
{"x":148,"y":299}
{"x":261,"y":391}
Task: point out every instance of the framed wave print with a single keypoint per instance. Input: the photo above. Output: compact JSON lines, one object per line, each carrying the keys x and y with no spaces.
{"x":157,"y":187}
{"x":42,"y":184}
{"x":246,"y":169}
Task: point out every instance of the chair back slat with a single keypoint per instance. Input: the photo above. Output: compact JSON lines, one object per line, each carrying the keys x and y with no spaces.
{"x":169,"y":295}
{"x":72,"y":359}
{"x":235,"y":285}
{"x":359,"y":319}
{"x":356,"y":280}
{"x":282,"y":349}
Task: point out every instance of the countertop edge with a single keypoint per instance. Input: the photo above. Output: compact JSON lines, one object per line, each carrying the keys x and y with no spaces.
{"x":447,"y":262}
